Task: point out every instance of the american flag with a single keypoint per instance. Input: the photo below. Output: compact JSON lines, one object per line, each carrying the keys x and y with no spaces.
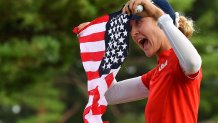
{"x":103,"y":47}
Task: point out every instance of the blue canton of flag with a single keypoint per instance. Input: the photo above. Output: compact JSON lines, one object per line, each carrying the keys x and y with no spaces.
{"x":116,"y":41}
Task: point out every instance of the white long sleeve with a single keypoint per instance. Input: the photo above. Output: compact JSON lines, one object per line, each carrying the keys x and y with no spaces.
{"x":189,"y":59}
{"x":126,"y":91}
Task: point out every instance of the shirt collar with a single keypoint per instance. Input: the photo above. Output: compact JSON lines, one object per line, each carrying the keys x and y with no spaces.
{"x":164,"y":55}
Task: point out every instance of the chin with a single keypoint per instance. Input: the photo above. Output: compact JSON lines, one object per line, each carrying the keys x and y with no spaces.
{"x":148,"y":54}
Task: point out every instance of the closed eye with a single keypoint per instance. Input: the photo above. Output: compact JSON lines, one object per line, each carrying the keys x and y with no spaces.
{"x":138,"y":22}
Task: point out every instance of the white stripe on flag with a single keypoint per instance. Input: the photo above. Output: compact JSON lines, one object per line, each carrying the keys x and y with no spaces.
{"x":100,"y":27}
{"x":92,"y":84}
{"x":92,"y":46}
{"x":91,"y":97}
{"x":91,"y":66}
{"x":102,"y":87}
{"x":93,"y":118}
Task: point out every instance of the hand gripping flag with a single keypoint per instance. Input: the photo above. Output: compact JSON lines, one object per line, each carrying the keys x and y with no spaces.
{"x":103,"y":48}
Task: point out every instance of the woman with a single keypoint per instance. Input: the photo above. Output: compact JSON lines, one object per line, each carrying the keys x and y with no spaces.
{"x":173,"y":86}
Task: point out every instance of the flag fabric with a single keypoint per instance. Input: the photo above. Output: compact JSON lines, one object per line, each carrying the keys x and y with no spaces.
{"x":103,"y":48}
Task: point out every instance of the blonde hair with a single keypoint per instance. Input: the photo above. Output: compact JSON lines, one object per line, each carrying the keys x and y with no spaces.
{"x":186,"y":26}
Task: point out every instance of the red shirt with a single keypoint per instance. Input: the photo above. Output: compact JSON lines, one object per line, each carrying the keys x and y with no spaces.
{"x":173,"y":96}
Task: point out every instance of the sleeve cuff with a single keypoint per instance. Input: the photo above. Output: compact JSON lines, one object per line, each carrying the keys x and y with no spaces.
{"x":163,"y":20}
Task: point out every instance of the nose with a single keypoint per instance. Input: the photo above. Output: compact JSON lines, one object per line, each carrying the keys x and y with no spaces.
{"x":134,"y":31}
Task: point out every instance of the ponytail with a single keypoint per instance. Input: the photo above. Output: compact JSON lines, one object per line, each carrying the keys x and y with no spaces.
{"x":186,"y":26}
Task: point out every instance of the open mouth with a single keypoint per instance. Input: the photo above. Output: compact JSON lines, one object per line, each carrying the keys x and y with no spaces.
{"x":143,"y":42}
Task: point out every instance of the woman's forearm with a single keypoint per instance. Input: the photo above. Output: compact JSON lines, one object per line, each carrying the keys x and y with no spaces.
{"x":126,"y":91}
{"x":189,"y":59}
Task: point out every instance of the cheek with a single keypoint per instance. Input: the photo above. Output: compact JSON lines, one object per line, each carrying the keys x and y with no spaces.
{"x":132,"y":34}
{"x":146,"y":30}
{"x":156,"y":45}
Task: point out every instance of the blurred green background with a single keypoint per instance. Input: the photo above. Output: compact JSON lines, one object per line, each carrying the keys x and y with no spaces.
{"x":41,"y":76}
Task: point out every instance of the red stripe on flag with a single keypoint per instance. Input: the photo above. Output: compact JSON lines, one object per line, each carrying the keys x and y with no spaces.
{"x":109,"y":79}
{"x":96,"y":21}
{"x":93,"y":56}
{"x":92,"y":38}
{"x":96,"y":109}
{"x":92,"y":75}
{"x":94,"y":92}
{"x":76,"y":30}
{"x":85,"y":112}
{"x":100,"y":20}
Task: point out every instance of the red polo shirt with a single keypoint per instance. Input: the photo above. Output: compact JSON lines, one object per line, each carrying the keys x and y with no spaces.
{"x":173,"y":97}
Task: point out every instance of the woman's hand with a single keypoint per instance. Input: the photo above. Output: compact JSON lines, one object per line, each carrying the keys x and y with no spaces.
{"x":149,"y":9}
{"x":82,"y":25}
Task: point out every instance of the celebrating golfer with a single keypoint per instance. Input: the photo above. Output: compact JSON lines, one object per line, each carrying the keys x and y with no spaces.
{"x":173,"y":86}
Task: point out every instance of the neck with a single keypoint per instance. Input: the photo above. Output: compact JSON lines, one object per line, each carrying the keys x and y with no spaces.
{"x":164,"y":46}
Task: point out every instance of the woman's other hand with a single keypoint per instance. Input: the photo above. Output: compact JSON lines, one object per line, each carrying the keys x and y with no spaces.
{"x":82,"y":25}
{"x":149,"y":9}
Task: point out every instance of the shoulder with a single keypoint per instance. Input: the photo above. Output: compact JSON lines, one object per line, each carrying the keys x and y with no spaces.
{"x":180,"y":74}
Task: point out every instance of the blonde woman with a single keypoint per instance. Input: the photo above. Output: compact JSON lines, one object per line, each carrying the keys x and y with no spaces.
{"x":173,"y":86}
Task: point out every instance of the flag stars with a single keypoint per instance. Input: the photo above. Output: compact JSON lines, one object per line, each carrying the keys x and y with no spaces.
{"x":117,"y":48}
{"x":125,"y":20}
{"x":124,"y":46}
{"x":111,"y":58}
{"x":110,"y":31}
{"x":121,"y":27}
{"x":109,"y":65}
{"x":115,"y":44}
{"x":121,"y":40}
{"x":110,"y":44}
{"x":113,"y":19}
{"x":108,"y":53}
{"x":120,"y":53}
{"x":122,"y":59}
{"x":104,"y":66}
{"x":118,"y":26}
{"x":124,"y":15}
{"x":112,"y":36}
{"x":106,"y":59}
{"x":120,"y":19}
{"x":114,"y":29}
{"x":119,"y":33}
{"x":115,"y":22}
{"x":125,"y":33}
{"x":112,"y":23}
{"x":113,"y":51}
{"x":116,"y":35}
{"x":115,"y":60}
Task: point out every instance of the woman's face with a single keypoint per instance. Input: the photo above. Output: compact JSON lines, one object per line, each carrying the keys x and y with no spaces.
{"x":146,"y":33}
